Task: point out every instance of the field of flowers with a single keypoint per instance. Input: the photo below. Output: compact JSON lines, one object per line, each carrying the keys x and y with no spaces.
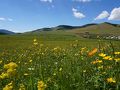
{"x":39,"y":67}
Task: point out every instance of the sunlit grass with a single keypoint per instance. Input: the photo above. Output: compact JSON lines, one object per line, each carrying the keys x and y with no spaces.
{"x":66,"y":67}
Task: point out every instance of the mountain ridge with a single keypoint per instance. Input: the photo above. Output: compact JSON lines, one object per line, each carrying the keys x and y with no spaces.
{"x":5,"y":32}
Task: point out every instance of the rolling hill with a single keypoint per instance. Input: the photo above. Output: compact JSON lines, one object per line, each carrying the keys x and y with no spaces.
{"x":102,"y":28}
{"x":5,"y":32}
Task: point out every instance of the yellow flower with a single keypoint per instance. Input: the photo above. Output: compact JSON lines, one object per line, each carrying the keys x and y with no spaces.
{"x":100,"y":67}
{"x":35,"y":40}
{"x":111,"y":80}
{"x":22,"y":87}
{"x":4,"y":75}
{"x":91,"y":53}
{"x":30,"y":61}
{"x":107,"y":58}
{"x":11,"y":72}
{"x":11,"y":65}
{"x":117,"y":53}
{"x":0,"y":62}
{"x":97,"y":61}
{"x":117,"y":59}
{"x":41,"y":85}
{"x":8,"y":87}
{"x":102,"y":54}
{"x":35,"y":43}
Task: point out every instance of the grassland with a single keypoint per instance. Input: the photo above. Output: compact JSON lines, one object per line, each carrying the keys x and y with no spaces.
{"x":58,"y":61}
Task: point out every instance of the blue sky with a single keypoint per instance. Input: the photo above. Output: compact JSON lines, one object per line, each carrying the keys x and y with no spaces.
{"x":27,"y":15}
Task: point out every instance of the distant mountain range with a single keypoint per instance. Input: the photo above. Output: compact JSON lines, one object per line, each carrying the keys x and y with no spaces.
{"x":93,"y":28}
{"x":5,"y":32}
{"x":102,"y":28}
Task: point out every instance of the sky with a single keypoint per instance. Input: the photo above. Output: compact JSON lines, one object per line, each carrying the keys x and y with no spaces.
{"x":27,"y":15}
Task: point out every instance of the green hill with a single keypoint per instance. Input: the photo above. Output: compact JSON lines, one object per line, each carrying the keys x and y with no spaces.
{"x":103,"y":28}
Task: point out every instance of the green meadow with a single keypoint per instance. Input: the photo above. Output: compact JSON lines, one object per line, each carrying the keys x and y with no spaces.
{"x":58,"y":61}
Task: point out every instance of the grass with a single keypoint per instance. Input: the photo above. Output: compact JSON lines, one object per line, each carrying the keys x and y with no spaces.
{"x":56,"y":61}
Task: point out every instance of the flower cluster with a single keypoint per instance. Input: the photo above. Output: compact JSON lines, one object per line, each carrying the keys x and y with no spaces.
{"x":10,"y":70}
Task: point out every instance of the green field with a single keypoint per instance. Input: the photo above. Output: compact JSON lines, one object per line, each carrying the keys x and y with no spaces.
{"x":58,"y":60}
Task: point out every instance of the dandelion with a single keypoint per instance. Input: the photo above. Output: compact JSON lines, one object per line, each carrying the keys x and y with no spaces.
{"x":92,"y":52}
{"x":41,"y":85}
{"x":111,"y":80}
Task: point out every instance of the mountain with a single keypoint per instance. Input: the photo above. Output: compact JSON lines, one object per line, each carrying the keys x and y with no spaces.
{"x":102,"y":28}
{"x":5,"y":32}
{"x":93,"y":28}
{"x":60,"y":27}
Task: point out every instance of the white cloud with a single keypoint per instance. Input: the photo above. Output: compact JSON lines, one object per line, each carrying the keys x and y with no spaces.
{"x":50,"y":1}
{"x":5,"y":19}
{"x":115,"y":14}
{"x":83,"y":0}
{"x":10,"y":19}
{"x":77,"y":14}
{"x":103,"y":15}
{"x":2,"y":19}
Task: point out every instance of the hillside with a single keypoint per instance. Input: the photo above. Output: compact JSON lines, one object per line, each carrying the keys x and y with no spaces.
{"x":5,"y":32}
{"x":103,"y":28}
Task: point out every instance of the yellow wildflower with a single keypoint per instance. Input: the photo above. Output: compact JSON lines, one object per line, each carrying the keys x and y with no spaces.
{"x":4,"y":75}
{"x":97,"y":61}
{"x":41,"y":85}
{"x":35,"y":40}
{"x":8,"y":87}
{"x":11,"y":72}
{"x":107,"y":58}
{"x":102,"y":54}
{"x":100,"y":67}
{"x":117,"y":59}
{"x":22,"y":87}
{"x":11,"y":65}
{"x":117,"y":53}
{"x":0,"y":62}
{"x":111,"y":80}
{"x":30,"y":61}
